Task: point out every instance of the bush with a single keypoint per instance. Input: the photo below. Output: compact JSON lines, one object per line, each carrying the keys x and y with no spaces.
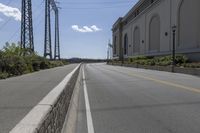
{"x":180,"y":59}
{"x":44,"y":65}
{"x":36,"y":65}
{"x":4,"y":75}
{"x":56,"y":64}
{"x":192,"y":65}
{"x":160,"y":61}
{"x":65,"y":62}
{"x":13,"y":64}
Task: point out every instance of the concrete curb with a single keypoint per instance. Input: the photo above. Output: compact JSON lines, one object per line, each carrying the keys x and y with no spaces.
{"x":49,"y":114}
{"x":71,"y":118}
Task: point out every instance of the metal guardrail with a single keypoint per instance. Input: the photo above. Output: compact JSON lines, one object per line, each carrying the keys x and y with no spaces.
{"x":48,"y":116}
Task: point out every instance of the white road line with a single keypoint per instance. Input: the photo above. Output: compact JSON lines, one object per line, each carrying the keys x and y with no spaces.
{"x":87,"y":105}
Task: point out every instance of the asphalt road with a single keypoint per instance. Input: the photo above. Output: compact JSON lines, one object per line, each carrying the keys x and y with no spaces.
{"x":129,"y":100}
{"x":19,"y":95}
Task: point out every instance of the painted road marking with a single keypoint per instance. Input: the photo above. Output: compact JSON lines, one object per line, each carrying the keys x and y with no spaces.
{"x":161,"y":81}
{"x":87,"y":105}
{"x":168,"y":83}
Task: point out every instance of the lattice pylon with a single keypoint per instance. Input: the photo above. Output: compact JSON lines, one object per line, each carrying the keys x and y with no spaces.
{"x":47,"y":40}
{"x":27,"y":42}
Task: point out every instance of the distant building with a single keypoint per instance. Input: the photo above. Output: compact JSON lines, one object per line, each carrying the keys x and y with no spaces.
{"x":147,"y":29}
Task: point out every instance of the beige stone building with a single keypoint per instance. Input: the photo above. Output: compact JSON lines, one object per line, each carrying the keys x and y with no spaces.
{"x":147,"y":29}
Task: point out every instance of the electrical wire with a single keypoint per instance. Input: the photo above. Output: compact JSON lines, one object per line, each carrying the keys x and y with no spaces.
{"x":5,"y":23}
{"x":103,"y":2}
{"x":9,"y":2}
{"x":88,"y":8}
{"x":14,"y":35}
{"x":17,"y":32}
{"x":9,"y":19}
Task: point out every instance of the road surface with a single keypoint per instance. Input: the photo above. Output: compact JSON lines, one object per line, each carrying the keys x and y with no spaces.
{"x":129,"y":100}
{"x":19,"y":95}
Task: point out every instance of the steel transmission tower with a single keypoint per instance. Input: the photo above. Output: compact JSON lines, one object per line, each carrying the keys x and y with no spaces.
{"x":27,"y":27}
{"x":47,"y":43}
{"x":57,"y":41}
{"x":47,"y":40}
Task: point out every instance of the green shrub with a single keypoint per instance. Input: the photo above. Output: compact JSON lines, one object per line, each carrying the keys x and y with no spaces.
{"x":36,"y":65}
{"x":44,"y":65}
{"x":4,"y":75}
{"x":56,"y":63}
{"x":65,"y":62}
{"x":14,"y":65}
{"x":181,"y":59}
{"x":192,"y":65}
{"x":160,"y":61}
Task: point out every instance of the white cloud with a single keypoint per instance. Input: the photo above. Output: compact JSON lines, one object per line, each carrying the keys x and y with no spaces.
{"x":95,"y":28}
{"x":10,"y":12}
{"x":85,"y":29}
{"x":1,"y":19}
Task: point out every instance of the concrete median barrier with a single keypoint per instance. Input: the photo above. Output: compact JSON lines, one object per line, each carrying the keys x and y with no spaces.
{"x":48,"y":116}
{"x":71,"y":118}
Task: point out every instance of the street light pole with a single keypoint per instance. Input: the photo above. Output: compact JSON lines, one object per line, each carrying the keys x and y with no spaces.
{"x":122,"y":61}
{"x":108,"y":55}
{"x":174,"y":47}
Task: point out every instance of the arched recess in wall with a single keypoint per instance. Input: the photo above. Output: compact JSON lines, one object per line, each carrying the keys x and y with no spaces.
{"x":125,"y":44}
{"x":189,"y":24}
{"x":136,"y":40}
{"x":154,"y":34}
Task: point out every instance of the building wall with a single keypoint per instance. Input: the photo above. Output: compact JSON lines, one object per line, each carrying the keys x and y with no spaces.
{"x":116,"y":43}
{"x":185,"y":14}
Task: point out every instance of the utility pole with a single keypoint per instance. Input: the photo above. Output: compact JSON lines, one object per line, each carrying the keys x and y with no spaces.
{"x":110,"y":46}
{"x":27,"y":28}
{"x":47,"y":40}
{"x":174,"y":48}
{"x":108,"y":55}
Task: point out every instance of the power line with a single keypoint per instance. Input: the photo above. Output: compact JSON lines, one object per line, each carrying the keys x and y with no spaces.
{"x":5,"y":23}
{"x":88,"y":8}
{"x":9,"y":19}
{"x":9,"y":2}
{"x":40,"y":21}
{"x":103,"y":2}
{"x":18,"y":29}
{"x":37,"y":7}
{"x":14,"y":34}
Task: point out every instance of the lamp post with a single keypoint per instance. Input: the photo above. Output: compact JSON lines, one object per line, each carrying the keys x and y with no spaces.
{"x":174,"y":47}
{"x":110,"y":49}
{"x":122,"y":57}
{"x":108,"y":54}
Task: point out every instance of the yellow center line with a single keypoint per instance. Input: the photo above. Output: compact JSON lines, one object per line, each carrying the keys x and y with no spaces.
{"x":168,"y":83}
{"x":163,"y":82}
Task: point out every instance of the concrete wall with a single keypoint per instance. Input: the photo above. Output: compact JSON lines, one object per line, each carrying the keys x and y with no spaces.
{"x":48,"y":116}
{"x":160,"y":17}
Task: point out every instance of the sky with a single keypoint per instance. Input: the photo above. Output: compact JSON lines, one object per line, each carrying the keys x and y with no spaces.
{"x":85,"y":26}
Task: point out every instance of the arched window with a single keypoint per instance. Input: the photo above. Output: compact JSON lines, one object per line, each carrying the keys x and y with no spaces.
{"x":189,"y":24}
{"x":125,"y":44}
{"x":136,"y":40}
{"x":154,"y":34}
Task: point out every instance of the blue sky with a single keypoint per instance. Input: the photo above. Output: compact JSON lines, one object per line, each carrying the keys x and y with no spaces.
{"x":85,"y":26}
